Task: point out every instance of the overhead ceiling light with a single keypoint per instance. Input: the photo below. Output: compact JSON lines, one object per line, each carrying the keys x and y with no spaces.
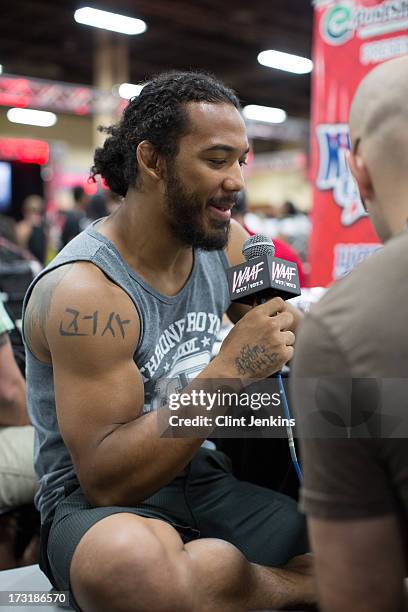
{"x":1,"y":68}
{"x":129,"y":90}
{"x":285,"y":61}
{"x":27,"y":116}
{"x":266,"y":114}
{"x":109,"y":21}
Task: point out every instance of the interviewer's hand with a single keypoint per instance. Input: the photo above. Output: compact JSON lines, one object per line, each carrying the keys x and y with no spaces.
{"x":259,"y":344}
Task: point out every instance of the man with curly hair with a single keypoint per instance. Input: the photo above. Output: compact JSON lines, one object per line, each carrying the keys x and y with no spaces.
{"x":132,"y":306}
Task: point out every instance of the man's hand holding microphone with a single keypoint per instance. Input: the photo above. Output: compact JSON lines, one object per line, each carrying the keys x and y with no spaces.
{"x":261,"y":342}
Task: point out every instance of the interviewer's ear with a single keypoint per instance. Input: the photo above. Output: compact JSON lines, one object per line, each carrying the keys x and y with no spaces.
{"x":149,"y":160}
{"x":361,"y":173}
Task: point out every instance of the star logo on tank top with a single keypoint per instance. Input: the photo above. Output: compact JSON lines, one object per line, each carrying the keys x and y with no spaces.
{"x":180,"y":353}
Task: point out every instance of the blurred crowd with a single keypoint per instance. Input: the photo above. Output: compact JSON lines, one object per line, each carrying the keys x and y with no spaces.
{"x":39,"y":235}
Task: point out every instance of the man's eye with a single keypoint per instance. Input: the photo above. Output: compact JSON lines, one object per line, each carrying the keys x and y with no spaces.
{"x":243,"y":162}
{"x":217,"y":162}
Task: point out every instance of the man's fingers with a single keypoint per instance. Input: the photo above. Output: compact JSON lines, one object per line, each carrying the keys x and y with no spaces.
{"x":289,"y":338}
{"x":272,"y":307}
{"x":284,"y":320}
{"x":277,"y":309}
{"x":289,"y":353}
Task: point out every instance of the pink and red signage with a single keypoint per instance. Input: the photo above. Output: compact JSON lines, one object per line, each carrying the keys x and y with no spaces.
{"x":24,"y":150}
{"x":55,"y":96}
{"x":351,"y":37}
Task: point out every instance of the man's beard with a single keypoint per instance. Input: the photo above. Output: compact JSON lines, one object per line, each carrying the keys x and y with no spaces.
{"x":186,"y":217}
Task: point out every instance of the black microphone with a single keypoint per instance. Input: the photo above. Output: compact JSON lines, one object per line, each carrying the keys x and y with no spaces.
{"x":263,"y":276}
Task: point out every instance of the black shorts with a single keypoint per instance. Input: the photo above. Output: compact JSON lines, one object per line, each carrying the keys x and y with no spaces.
{"x":205,"y":501}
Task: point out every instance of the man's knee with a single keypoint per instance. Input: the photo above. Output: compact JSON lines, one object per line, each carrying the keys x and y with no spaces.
{"x":222,"y":572}
{"x":130,"y":567}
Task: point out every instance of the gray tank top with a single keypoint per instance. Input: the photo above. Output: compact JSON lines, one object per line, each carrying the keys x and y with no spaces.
{"x":176,"y":339}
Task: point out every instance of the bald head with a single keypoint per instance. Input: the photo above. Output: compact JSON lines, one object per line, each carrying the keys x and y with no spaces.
{"x":380,"y":102}
{"x":378,"y":129}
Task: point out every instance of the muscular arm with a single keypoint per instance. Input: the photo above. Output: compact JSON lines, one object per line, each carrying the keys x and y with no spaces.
{"x":13,"y":409}
{"x":359,"y":564}
{"x":117,"y":453}
{"x":89,"y":329}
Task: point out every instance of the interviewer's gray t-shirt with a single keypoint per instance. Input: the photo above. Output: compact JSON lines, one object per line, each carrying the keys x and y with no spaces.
{"x":349,"y":390}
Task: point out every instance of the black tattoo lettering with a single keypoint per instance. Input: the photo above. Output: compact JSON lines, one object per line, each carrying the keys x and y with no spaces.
{"x":72,"y":329}
{"x":77,"y":327}
{"x":254,"y":360}
{"x":109,"y":325}
{"x":74,"y":322}
{"x":122,"y":323}
{"x":94,"y":318}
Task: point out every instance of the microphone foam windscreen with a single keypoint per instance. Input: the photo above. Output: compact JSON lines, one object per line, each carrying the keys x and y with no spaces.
{"x":258,"y":245}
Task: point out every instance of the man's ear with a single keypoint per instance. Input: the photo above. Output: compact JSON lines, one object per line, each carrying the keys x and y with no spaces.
{"x":360,"y":172}
{"x":149,"y":161}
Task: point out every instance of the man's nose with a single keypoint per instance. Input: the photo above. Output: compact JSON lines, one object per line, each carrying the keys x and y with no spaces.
{"x":234,"y":181}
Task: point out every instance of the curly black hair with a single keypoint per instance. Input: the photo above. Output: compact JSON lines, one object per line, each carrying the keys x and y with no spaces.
{"x":158,"y":115}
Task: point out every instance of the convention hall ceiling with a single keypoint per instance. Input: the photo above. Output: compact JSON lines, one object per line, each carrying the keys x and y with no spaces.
{"x":39,"y":38}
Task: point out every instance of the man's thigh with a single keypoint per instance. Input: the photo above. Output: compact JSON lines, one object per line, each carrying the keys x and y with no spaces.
{"x":18,"y":481}
{"x":74,"y":517}
{"x":264,"y":525}
{"x":139,"y":563}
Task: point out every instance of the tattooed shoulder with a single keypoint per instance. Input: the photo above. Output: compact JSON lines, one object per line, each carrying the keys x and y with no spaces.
{"x":81,"y":323}
{"x":39,"y":304}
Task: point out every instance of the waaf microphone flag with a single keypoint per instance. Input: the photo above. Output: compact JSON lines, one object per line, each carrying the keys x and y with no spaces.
{"x":262,"y":276}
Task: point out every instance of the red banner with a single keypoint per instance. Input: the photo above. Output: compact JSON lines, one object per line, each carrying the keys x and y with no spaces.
{"x":351,"y":37}
{"x":24,"y":150}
